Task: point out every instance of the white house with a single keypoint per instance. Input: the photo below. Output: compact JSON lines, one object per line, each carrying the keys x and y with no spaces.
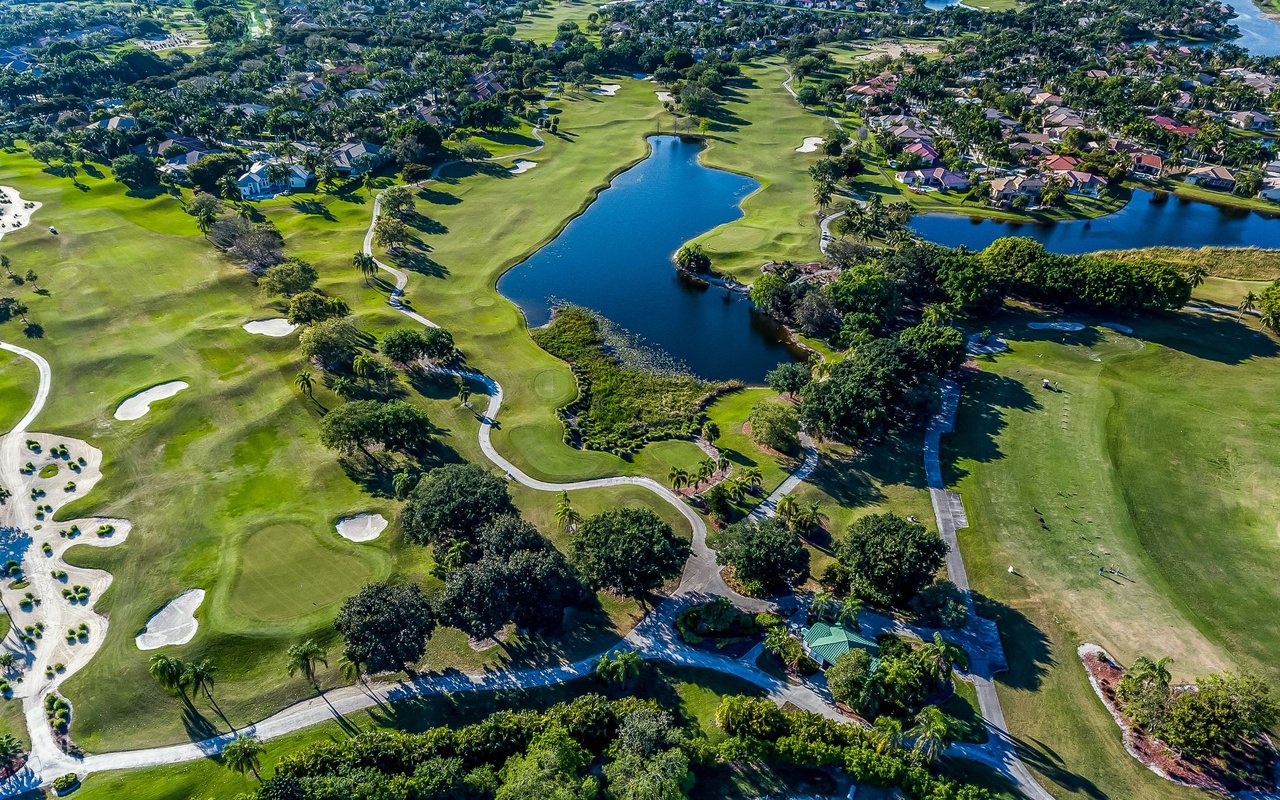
{"x":257,"y":183}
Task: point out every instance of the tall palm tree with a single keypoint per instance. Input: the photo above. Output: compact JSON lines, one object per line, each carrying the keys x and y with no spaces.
{"x":820,"y":606}
{"x":567,"y":517}
{"x":808,"y":517}
{"x":303,"y":658}
{"x":753,"y":477}
{"x":678,"y":478}
{"x":170,"y":673}
{"x":931,"y":731}
{"x":366,"y":265}
{"x":1248,"y":303}
{"x":1196,"y":275}
{"x":350,"y":670}
{"x":706,"y":468}
{"x":306,"y":383}
{"x":886,"y":734}
{"x":363,"y":366}
{"x":940,"y":656}
{"x":850,"y":608}
{"x":788,"y":506}
{"x":199,"y":676}
{"x":243,"y":754}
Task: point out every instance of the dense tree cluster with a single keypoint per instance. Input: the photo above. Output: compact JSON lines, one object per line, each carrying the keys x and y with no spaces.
{"x":631,"y":551}
{"x":766,"y":556}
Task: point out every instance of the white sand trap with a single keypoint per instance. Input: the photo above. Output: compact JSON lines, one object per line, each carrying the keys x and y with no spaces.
{"x":137,"y":406}
{"x":1118,"y":328}
{"x":362,"y":528}
{"x":175,"y":623}
{"x":14,"y":214}
{"x":277,"y":326}
{"x":1055,"y":326}
{"x":607,"y":89}
{"x":665,"y":97}
{"x":521,"y":166}
{"x":977,"y":347}
{"x":810,"y":144}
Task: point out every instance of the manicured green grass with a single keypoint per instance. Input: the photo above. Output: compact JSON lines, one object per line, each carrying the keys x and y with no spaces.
{"x":693,"y":693}
{"x":963,"y":707}
{"x":18,"y":380}
{"x":756,"y":133}
{"x":1158,"y":457}
{"x":540,"y":26}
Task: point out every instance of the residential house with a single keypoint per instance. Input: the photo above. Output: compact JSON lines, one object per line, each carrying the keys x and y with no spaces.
{"x":1148,"y":165}
{"x":357,"y":158}
{"x":1006,"y":189}
{"x":934,"y":178}
{"x":116,"y":123}
{"x":258,"y":183}
{"x":924,"y":151}
{"x":1059,"y":163}
{"x":1081,"y":183}
{"x":1046,"y":99}
{"x":1251,"y":121}
{"x":825,"y":643}
{"x":1214,"y":177}
{"x":1270,"y":188}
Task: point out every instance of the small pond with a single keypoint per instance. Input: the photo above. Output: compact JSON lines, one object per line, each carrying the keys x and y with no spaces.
{"x":615,"y":258}
{"x":1150,"y":219}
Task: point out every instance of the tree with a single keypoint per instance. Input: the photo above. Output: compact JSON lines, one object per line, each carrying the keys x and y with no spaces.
{"x":331,"y":342}
{"x":932,"y":732}
{"x":310,"y":307}
{"x":289,"y":277}
{"x":170,"y":673}
{"x":775,"y":426}
{"x":766,"y":557}
{"x":366,"y":265}
{"x":386,"y":627}
{"x":631,"y":551}
{"x":397,"y":201}
{"x":306,"y":383}
{"x":661,"y":776}
{"x":678,"y":478}
{"x":693,"y":258}
{"x":567,"y":517}
{"x":206,"y":209}
{"x":454,"y":502}
{"x":847,"y":677}
{"x":10,"y":749}
{"x":243,"y":754}
{"x":134,"y":171}
{"x":1196,"y":274}
{"x":1269,"y":306}
{"x":619,"y":668}
{"x":1248,"y":304}
{"x":940,"y":656}
{"x":390,"y":233}
{"x":303,"y":658}
{"x":1222,"y":710}
{"x":890,"y":559}
{"x":550,"y":769}
{"x":886,"y":734}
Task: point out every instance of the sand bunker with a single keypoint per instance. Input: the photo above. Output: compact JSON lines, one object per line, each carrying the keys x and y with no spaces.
{"x":362,"y":528}
{"x":607,"y":89}
{"x":520,"y":166}
{"x":137,"y":406}
{"x":174,"y":623}
{"x":810,"y":144}
{"x":665,"y":97}
{"x":977,"y":346}
{"x":1055,"y":326}
{"x":15,"y":213}
{"x":277,"y":326}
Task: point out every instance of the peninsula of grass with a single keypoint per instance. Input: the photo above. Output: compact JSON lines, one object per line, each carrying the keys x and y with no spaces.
{"x":621,"y":405}
{"x":1157,"y":456}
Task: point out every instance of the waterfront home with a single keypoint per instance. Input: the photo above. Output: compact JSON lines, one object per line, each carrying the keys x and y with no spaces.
{"x":936,"y":178}
{"x":1006,"y":189}
{"x":1214,"y":177}
{"x":271,"y":177}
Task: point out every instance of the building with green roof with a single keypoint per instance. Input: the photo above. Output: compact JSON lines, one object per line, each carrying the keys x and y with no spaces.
{"x":825,"y":643}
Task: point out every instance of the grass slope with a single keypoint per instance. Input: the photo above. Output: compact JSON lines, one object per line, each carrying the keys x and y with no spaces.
{"x":17,"y":385}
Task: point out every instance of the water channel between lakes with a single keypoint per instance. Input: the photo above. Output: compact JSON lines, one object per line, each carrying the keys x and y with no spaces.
{"x":616,"y":259}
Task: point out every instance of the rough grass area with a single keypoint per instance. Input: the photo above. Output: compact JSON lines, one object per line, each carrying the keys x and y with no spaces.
{"x":1236,"y":263}
{"x":692,"y":693}
{"x":1157,"y":457}
{"x":621,"y":405}
{"x":18,"y":380}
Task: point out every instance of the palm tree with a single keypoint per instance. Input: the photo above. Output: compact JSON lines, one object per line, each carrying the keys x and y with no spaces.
{"x":1248,"y":303}
{"x":850,"y":608}
{"x":940,"y":656}
{"x":753,"y":477}
{"x":303,"y":658}
{"x":1196,"y":275}
{"x":350,"y":670}
{"x":787,"y":509}
{"x":1154,"y":672}
{"x":369,"y":182}
{"x":886,"y":734}
{"x":7,"y":660}
{"x":621,"y":669}
{"x":808,"y":517}
{"x":932,"y":732}
{"x":306,"y":383}
{"x":366,"y":265}
{"x":243,"y":754}
{"x":820,"y":606}
{"x":199,"y":675}
{"x":170,"y":673}
{"x":779,"y":643}
{"x":678,"y":478}
{"x":567,"y":517}
{"x":363,"y":366}
{"x":343,"y":386}
{"x":706,"y":468}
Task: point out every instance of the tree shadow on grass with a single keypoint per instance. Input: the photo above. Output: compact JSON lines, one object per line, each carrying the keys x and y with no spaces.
{"x":979,"y":421}
{"x":313,"y":208}
{"x":1213,"y":336}
{"x":197,"y":726}
{"x":418,"y":261}
{"x":424,"y":224}
{"x":437,"y":197}
{"x":1026,"y":648}
{"x":1045,"y":760}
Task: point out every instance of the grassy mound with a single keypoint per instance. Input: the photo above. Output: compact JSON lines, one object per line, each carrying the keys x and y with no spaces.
{"x":621,"y":404}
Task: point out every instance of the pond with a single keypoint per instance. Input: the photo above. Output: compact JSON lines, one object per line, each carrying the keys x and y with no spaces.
{"x":615,"y":258}
{"x":1259,"y":34}
{"x":1150,"y":219}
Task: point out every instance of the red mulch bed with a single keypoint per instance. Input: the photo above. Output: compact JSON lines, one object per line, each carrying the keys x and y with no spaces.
{"x":1222,"y":775}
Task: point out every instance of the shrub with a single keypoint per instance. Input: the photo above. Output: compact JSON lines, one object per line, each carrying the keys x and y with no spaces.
{"x":775,"y":426}
{"x":65,"y":783}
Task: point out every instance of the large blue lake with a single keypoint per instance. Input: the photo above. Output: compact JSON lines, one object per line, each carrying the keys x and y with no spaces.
{"x":1150,"y":219}
{"x":616,"y":259}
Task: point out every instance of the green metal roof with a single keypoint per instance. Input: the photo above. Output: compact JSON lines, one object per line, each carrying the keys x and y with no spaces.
{"x":829,"y":642}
